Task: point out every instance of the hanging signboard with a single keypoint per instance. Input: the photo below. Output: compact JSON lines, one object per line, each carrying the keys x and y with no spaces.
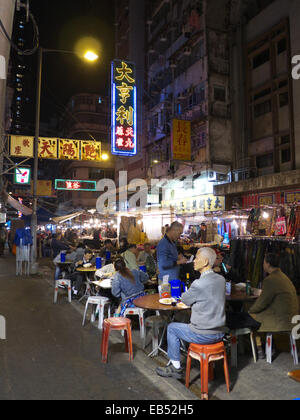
{"x":181,"y":140}
{"x":124,"y":109}
{"x":53,"y":148}
{"x":69,"y":149}
{"x":47,"y":148}
{"x":75,"y":185}
{"x":21,"y":146}
{"x":91,"y":150}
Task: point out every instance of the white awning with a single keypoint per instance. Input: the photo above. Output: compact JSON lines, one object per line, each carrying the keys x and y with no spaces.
{"x":63,"y":219}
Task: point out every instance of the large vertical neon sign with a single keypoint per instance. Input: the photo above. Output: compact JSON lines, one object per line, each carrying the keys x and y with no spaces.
{"x":124,"y":109}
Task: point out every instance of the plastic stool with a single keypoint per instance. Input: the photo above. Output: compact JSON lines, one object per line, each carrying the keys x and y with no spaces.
{"x":269,"y":343}
{"x":140,"y":313}
{"x":155,"y":323}
{"x":101,"y":302}
{"x":63,"y":282}
{"x":234,"y":342}
{"x":118,"y":324}
{"x":207,"y":354}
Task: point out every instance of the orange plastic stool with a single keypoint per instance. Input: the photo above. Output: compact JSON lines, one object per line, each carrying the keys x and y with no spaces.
{"x":118,"y":324}
{"x":207,"y":355}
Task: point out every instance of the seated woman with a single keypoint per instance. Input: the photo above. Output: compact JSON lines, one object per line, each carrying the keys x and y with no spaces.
{"x":127,"y":285}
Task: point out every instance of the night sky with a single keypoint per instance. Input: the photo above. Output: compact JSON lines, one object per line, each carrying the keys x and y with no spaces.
{"x":62,"y":23}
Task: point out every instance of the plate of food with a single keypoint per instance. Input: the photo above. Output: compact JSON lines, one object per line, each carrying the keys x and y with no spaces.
{"x":181,"y":305}
{"x":88,"y":265}
{"x":167,"y":301}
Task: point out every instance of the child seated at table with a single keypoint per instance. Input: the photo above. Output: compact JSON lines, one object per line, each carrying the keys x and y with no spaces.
{"x":127,"y":285}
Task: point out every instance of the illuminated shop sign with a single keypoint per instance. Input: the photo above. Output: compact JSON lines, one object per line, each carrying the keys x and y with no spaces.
{"x":124,"y":109}
{"x":74,"y":185}
{"x":22,"y":176}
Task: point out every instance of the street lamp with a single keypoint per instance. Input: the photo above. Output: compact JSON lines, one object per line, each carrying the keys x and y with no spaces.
{"x":90,"y":56}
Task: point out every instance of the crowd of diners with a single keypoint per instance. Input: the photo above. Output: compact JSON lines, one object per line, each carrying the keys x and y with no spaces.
{"x":210,"y":316}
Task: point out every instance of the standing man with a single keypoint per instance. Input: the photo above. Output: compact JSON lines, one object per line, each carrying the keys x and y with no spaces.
{"x":169,"y":261}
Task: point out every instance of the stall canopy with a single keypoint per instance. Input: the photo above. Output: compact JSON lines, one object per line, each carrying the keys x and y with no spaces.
{"x":63,"y":219}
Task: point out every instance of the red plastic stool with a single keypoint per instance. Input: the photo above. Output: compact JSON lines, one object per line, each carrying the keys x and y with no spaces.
{"x":118,"y":324}
{"x":207,"y":355}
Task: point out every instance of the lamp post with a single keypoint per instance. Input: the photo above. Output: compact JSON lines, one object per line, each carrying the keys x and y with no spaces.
{"x":90,"y":56}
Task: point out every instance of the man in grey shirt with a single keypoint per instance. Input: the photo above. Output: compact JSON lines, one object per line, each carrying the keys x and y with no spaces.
{"x":207,"y":299}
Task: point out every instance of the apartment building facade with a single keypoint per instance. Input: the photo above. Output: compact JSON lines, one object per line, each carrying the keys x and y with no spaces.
{"x":267,"y":102}
{"x":188,"y":79}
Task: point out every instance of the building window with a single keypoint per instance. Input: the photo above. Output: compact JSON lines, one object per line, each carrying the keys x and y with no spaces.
{"x":283,"y":99}
{"x":220,"y":93}
{"x":286,"y":156}
{"x":261,"y":94}
{"x":285,"y":139}
{"x":261,"y":59}
{"x":281,"y":46}
{"x":262,"y":109}
{"x":265,"y":161}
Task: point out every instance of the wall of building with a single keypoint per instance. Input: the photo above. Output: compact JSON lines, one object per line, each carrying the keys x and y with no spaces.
{"x":271,"y":16}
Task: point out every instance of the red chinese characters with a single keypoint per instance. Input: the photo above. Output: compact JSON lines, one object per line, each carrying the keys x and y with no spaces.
{"x":125,"y":138}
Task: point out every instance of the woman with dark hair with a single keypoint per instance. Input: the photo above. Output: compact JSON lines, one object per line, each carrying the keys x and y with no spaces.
{"x":123,"y":246}
{"x":128,"y":284}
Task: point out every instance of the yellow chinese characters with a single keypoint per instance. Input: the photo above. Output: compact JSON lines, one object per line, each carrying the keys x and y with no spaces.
{"x":124,"y":92}
{"x":125,"y":115}
{"x":124,"y":72}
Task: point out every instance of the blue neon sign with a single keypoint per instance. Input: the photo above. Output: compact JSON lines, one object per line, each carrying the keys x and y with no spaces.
{"x":124,"y":109}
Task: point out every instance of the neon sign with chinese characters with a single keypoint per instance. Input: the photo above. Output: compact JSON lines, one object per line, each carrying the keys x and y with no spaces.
{"x":74,"y":185}
{"x":124,"y":109}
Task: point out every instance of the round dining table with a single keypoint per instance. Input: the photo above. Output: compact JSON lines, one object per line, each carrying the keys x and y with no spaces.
{"x":151,"y":302}
{"x":89,"y":289}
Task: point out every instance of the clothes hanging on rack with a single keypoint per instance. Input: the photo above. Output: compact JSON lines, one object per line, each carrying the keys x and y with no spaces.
{"x":247,"y":257}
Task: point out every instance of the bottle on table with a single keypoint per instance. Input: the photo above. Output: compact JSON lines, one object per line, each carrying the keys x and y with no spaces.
{"x":188,"y":282}
{"x":165,"y":288}
{"x":248,"y":288}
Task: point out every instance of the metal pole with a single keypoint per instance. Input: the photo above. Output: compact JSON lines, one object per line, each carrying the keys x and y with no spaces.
{"x":36,"y":157}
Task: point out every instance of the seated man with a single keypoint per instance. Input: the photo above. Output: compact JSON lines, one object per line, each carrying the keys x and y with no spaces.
{"x":79,"y":278}
{"x":108,"y":248}
{"x":206,"y":297}
{"x":130,"y":257}
{"x":278,"y":303}
{"x":146,"y":258}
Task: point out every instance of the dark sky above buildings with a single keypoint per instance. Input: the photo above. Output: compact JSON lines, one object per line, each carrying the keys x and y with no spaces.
{"x":62,"y":23}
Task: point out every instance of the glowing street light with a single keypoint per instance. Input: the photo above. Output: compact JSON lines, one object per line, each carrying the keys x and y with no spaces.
{"x":105,"y":157}
{"x":91,"y":56}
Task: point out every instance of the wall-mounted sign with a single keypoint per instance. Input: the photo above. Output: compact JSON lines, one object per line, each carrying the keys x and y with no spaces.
{"x":202,"y":203}
{"x":181,"y":140}
{"x":22,"y":176}
{"x":124,"y":109}
{"x":74,"y":185}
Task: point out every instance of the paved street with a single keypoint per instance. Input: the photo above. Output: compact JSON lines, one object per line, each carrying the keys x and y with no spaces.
{"x":48,"y":355}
